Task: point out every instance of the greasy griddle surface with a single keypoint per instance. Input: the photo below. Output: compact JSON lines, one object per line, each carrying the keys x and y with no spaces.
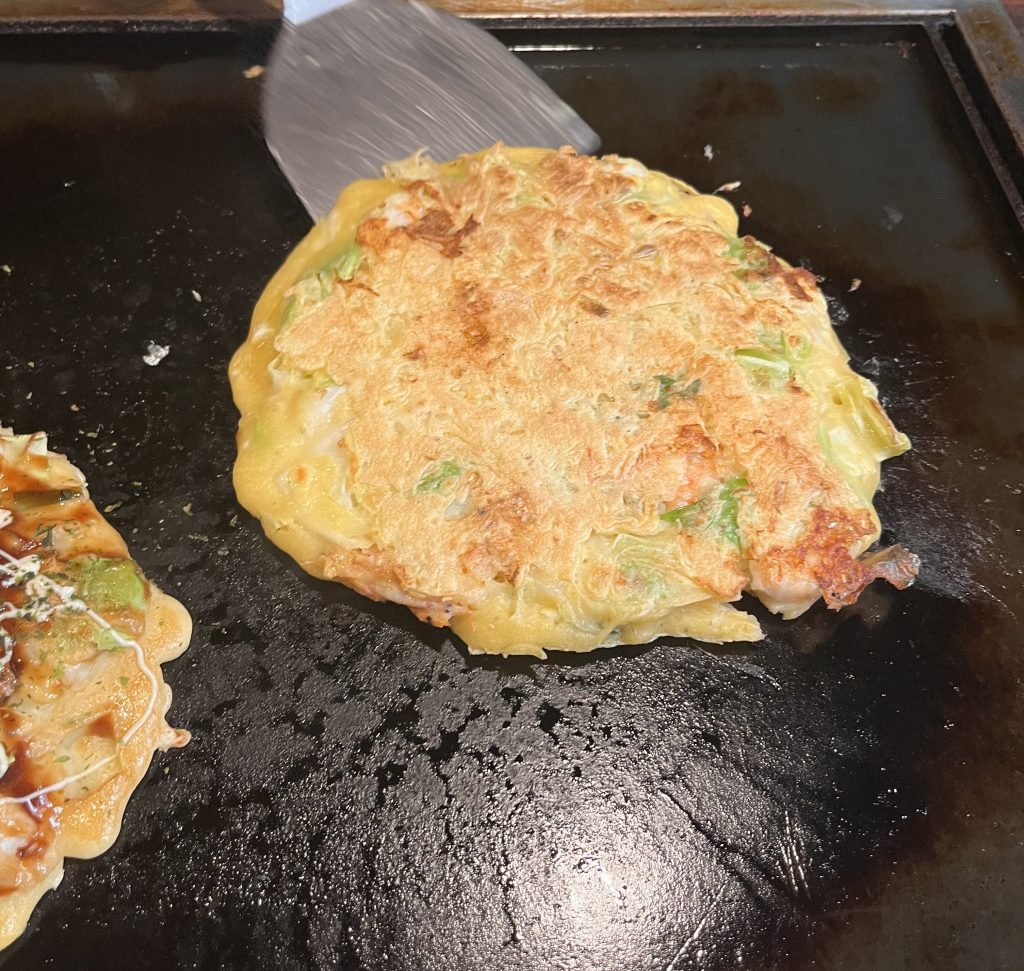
{"x":359,"y":792}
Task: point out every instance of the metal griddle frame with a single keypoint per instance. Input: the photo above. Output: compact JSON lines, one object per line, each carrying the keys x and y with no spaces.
{"x":968,"y":34}
{"x":977,"y":43}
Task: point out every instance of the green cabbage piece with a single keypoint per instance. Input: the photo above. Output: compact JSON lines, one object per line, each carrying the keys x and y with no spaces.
{"x":317,"y":286}
{"x":855,"y":436}
{"x":109,"y":584}
{"x":345,"y":265}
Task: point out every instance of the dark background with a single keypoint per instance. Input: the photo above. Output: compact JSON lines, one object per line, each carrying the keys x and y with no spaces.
{"x":360,"y":792}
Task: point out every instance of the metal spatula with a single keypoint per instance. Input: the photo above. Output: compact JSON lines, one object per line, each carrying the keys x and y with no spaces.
{"x":353,"y":85}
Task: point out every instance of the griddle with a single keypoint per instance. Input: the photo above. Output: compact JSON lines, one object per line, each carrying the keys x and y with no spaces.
{"x":362,"y":793}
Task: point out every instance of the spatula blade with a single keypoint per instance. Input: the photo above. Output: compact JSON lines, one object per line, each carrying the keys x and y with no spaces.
{"x":376,"y":80}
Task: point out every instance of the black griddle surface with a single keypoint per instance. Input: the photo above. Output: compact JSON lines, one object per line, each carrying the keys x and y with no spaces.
{"x":361,"y":793}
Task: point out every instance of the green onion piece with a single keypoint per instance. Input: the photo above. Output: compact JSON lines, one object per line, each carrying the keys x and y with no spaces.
{"x":436,"y":478}
{"x":775,"y":361}
{"x":719,"y":512}
{"x":686,"y":516}
{"x":729,"y":507}
{"x":667,"y":389}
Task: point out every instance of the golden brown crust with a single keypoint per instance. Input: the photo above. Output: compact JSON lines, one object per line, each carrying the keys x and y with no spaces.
{"x":546,"y":374}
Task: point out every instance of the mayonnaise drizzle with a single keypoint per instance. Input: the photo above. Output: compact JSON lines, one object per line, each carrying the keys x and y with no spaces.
{"x":68,"y":601}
